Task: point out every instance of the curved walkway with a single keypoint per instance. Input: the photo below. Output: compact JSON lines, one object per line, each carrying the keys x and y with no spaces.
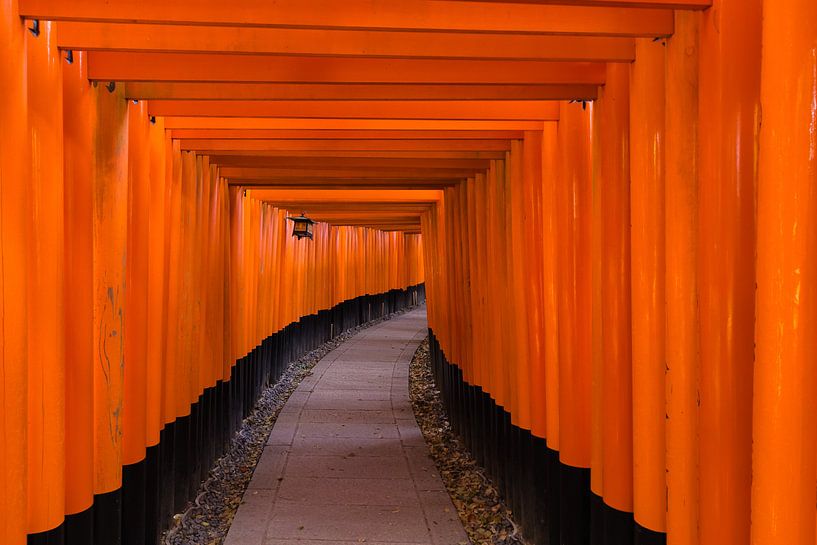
{"x":346,"y":463}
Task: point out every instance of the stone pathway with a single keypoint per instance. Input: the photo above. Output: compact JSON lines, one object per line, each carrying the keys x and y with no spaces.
{"x":346,"y":463}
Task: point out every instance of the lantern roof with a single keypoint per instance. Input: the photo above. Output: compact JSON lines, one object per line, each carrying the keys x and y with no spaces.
{"x":301,"y":219}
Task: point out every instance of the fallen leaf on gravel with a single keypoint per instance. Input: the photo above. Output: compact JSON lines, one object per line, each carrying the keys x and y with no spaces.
{"x":208,"y":518}
{"x":486,"y":519}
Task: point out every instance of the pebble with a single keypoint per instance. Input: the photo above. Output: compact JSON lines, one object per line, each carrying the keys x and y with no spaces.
{"x":207,"y":519}
{"x":486,"y":518}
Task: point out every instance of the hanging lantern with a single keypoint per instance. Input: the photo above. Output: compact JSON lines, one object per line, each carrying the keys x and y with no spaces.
{"x":302,"y":226}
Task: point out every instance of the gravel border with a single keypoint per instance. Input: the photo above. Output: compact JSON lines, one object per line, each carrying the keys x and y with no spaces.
{"x":207,"y":519}
{"x":486,"y":518}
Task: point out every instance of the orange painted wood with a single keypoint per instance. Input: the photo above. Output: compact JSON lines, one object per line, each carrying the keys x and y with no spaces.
{"x":14,"y":219}
{"x":344,"y":124}
{"x":358,"y":163}
{"x":345,"y":184}
{"x":79,"y":114}
{"x":498,"y":179}
{"x":340,"y":134}
{"x":180,"y":67}
{"x":186,"y":370}
{"x":134,"y":402}
{"x":383,"y":226}
{"x":575,"y":328}
{"x":367,"y":15}
{"x":110,"y":180}
{"x":249,"y":158}
{"x":221,"y":146}
{"x":672,"y":4}
{"x":683,"y":364}
{"x":729,"y":105}
{"x":630,"y":235}
{"x":368,"y":215}
{"x":406,"y":196}
{"x":550,"y":278}
{"x":389,"y":109}
{"x":46,"y":283}
{"x":484,"y":343}
{"x":352,"y":208}
{"x":249,"y":173}
{"x":92,"y":36}
{"x":597,"y":472}
{"x":613,"y":110}
{"x":357,"y":91}
{"x":647,"y":113}
{"x":533,"y":249}
{"x":171,"y":275}
{"x":156,"y":267}
{"x":784,"y":436}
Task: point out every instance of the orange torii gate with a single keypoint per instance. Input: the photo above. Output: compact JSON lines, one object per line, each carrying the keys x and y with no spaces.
{"x":610,"y":204}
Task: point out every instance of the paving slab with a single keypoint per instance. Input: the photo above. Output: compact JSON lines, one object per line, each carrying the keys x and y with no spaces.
{"x":362,"y":523}
{"x":349,"y":491}
{"x":346,"y":462}
{"x":347,"y":403}
{"x":365,"y":416}
{"x":302,"y":446}
{"x":330,"y":431}
{"x":350,"y":465}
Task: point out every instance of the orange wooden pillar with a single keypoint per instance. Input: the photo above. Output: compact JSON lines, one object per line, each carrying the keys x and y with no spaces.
{"x":215,"y":274}
{"x":225,"y":284}
{"x":729,"y":100}
{"x":648,"y":314}
{"x":497,"y":279}
{"x":466,"y":223}
{"x":533,"y":250}
{"x":785,"y":377}
{"x":534,"y":445}
{"x":596,"y":340}
{"x":236,"y":292}
{"x":574,"y":207}
{"x":681,"y":280}
{"x":78,"y":122}
{"x":550,"y":180}
{"x":14,"y":220}
{"x":46,"y":333}
{"x":198,"y":363}
{"x":455,"y":340}
{"x":171,"y":316}
{"x":280,"y":287}
{"x":487,"y":323}
{"x":183,"y":328}
{"x":156,"y":326}
{"x":613,"y":109}
{"x":134,"y":401}
{"x":509,"y":348}
{"x":550,"y":278}
{"x":518,"y":313}
{"x":110,"y":180}
{"x":236,"y":255}
{"x":198,"y":301}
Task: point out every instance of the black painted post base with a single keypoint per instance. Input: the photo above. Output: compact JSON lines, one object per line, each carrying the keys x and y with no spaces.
{"x":550,"y":501}
{"x":162,"y":484}
{"x":51,"y":537}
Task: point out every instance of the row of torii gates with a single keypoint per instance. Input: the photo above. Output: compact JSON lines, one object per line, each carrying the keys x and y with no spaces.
{"x":611,"y":206}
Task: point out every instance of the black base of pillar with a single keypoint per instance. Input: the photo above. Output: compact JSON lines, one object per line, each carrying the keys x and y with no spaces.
{"x":163,"y":483}
{"x":51,"y":537}
{"x":108,"y":518}
{"x":134,"y":486}
{"x":550,"y":501}
{"x":79,"y":528}
{"x":644,"y":536}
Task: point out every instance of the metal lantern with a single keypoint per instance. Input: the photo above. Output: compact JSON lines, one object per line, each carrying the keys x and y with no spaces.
{"x":302,"y":226}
